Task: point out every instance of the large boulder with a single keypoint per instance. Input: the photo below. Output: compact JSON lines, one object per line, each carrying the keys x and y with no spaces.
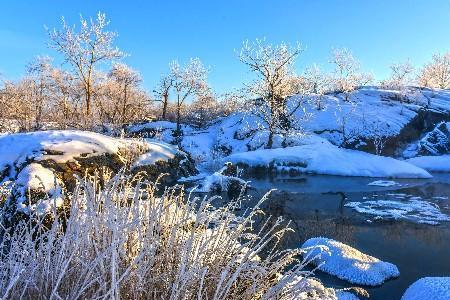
{"x":39,"y":168}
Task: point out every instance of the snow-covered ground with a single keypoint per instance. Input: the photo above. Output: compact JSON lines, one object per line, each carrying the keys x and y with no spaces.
{"x":404,"y":207}
{"x":348,"y":263}
{"x":432,"y":163}
{"x":429,"y":288}
{"x":321,"y":157}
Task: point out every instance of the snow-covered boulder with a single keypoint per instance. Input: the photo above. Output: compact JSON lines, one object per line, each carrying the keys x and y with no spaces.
{"x":309,"y":288}
{"x":427,"y":288}
{"x":348,"y":263}
{"x":321,"y":157}
{"x":45,"y":163}
{"x":432,"y":163}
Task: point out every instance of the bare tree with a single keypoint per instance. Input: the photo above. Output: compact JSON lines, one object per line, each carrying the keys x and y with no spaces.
{"x":318,"y":84}
{"x":400,"y":79}
{"x":347,"y":74}
{"x":127,"y":79}
{"x":84,"y":49}
{"x":39,"y":73}
{"x":274,"y":69}
{"x":162,"y":92}
{"x":436,"y":74}
{"x":188,"y":81}
{"x":401,"y":76}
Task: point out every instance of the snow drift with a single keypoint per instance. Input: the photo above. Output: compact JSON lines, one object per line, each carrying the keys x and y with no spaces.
{"x":321,"y":157}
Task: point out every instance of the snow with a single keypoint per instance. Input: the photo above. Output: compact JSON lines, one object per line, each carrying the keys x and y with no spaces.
{"x":383,"y":183}
{"x":60,"y":146}
{"x":405,"y":207}
{"x":22,"y":156}
{"x":36,"y":177}
{"x":217,"y":182}
{"x":343,"y":295}
{"x":156,"y":151}
{"x":310,"y":288}
{"x":432,"y":163}
{"x":429,"y":288}
{"x":348,"y":263}
{"x":321,"y":157}
{"x":63,"y":146}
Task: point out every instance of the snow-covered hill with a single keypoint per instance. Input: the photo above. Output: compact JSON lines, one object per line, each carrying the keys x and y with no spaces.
{"x":373,"y":120}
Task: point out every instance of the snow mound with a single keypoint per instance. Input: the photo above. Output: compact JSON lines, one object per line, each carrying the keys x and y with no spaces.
{"x":411,"y":209}
{"x":348,"y":263}
{"x":429,"y":288}
{"x":42,"y":161}
{"x":157,"y":151}
{"x":383,"y":183}
{"x":321,"y":157}
{"x":36,"y":177}
{"x":343,"y":295}
{"x":65,"y":146}
{"x":432,"y":163}
{"x":310,"y":288}
{"x":39,"y":179}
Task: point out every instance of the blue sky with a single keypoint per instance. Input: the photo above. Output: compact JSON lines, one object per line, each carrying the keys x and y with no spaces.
{"x":155,"y":32}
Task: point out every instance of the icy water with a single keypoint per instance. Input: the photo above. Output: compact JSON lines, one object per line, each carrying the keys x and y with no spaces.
{"x":316,"y":207}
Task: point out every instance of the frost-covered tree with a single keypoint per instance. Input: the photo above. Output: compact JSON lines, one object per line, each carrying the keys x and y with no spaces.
{"x":436,"y":74}
{"x":188,"y":81}
{"x":401,"y":76}
{"x":85,"y":49}
{"x":128,"y":80}
{"x":204,"y":108}
{"x":39,"y":73}
{"x":273,"y":66}
{"x":120,"y":98}
{"x":318,"y":84}
{"x":347,"y":72}
{"x":400,"y":79}
{"x":162,"y":93}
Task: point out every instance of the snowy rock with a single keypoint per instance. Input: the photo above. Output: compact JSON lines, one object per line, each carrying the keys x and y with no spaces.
{"x":222,"y":181}
{"x":432,"y":163}
{"x":427,"y":288}
{"x":309,"y":288}
{"x":45,"y":163}
{"x":321,"y":157}
{"x":348,"y":263}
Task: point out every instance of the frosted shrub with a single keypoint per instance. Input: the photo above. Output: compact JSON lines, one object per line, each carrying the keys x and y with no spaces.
{"x":122,"y":241}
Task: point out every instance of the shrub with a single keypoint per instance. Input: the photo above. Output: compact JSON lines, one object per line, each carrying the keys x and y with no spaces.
{"x":123,"y":241}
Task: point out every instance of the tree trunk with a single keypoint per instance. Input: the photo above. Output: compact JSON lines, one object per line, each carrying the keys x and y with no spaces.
{"x":165,"y":101}
{"x":270,"y":140}
{"x":124,"y":107}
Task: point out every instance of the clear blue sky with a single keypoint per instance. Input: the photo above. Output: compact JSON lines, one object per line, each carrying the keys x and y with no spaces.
{"x":155,"y":32}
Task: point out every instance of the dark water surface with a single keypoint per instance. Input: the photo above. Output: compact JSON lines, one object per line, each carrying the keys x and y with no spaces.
{"x":315,"y":205}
